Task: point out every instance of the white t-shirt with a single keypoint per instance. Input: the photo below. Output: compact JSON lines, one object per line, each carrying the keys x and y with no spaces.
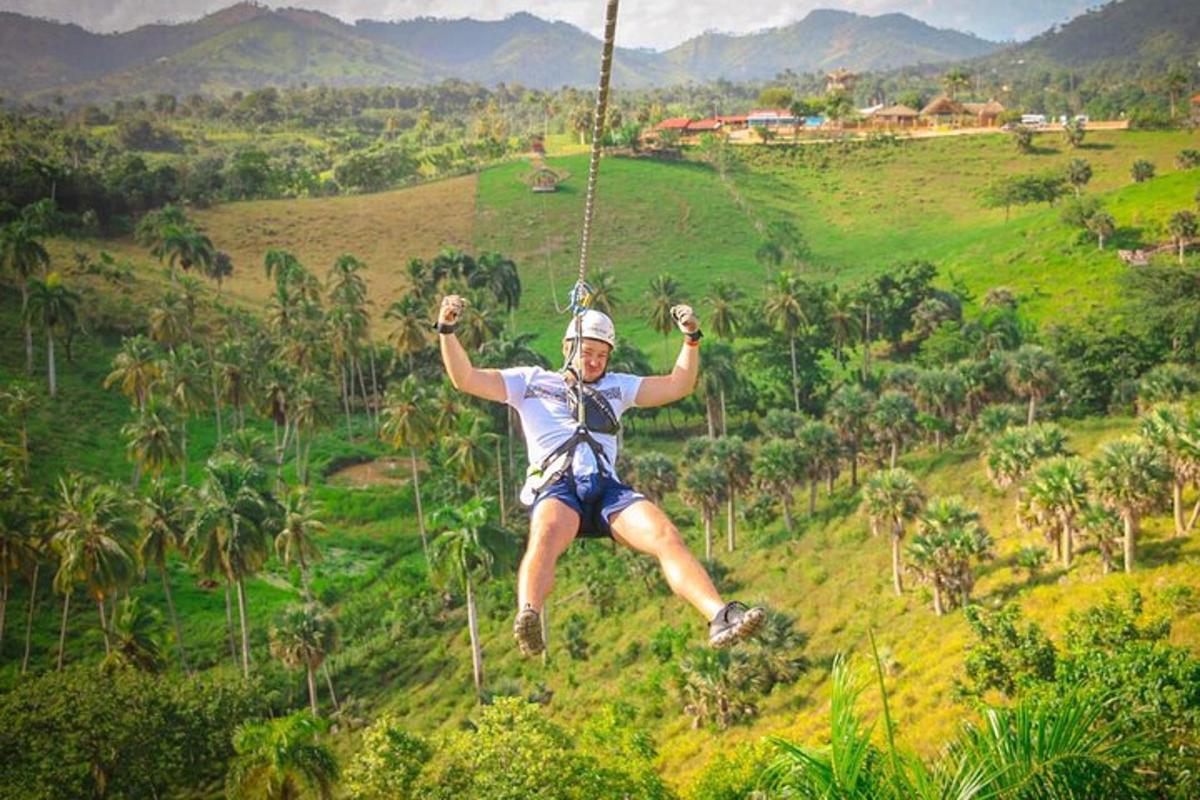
{"x":540,"y":398}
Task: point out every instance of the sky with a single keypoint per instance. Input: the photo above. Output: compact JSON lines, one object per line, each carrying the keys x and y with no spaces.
{"x":656,"y":24}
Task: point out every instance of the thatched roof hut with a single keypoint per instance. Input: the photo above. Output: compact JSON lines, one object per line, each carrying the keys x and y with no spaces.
{"x":900,"y":116}
{"x":943,"y":106}
{"x":986,"y":114}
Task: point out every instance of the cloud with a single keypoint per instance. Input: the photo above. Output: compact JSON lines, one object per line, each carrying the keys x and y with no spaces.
{"x":645,"y":23}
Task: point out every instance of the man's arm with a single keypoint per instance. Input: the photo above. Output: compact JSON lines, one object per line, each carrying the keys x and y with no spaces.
{"x":659,"y":390}
{"x":485,"y":383}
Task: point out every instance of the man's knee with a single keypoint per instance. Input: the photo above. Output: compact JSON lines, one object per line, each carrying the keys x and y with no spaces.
{"x":551,"y":536}
{"x":665,"y":539}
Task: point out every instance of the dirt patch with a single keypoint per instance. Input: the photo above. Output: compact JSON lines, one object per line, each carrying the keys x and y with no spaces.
{"x":383,"y":230}
{"x":382,"y":472}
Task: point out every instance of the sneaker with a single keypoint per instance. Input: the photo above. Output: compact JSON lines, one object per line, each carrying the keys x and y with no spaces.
{"x":527,"y":630}
{"x":735,"y":623}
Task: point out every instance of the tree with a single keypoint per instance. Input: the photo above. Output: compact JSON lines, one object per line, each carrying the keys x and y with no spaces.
{"x":1078,"y":172}
{"x":150,"y":441}
{"x":302,"y":638}
{"x":411,"y":334}
{"x":786,"y":311}
{"x":181,"y":377}
{"x":280,"y":759}
{"x":295,"y":541}
{"x":1058,"y":495}
{"x":704,"y":490}
{"x":663,"y":293}
{"x":1128,"y":478}
{"x":469,"y":550}
{"x":724,"y":301}
{"x":893,"y":421}
{"x":93,"y":535}
{"x":53,"y":306}
{"x":1073,"y":133}
{"x":135,"y":636}
{"x":1106,"y":530}
{"x":777,"y":470}
{"x":1176,"y":434}
{"x":235,"y":511}
{"x":387,"y":761}
{"x":135,"y":370}
{"x":654,"y":475}
{"x":1023,"y":139}
{"x":733,"y":459}
{"x":605,"y":293}
{"x":892,"y":498}
{"x":184,"y":247}
{"x":954,"y":80}
{"x":1033,"y":373}
{"x":18,"y":402}
{"x":163,"y":522}
{"x":20,"y":254}
{"x":1141,"y":171}
{"x":849,"y":411}
{"x":1183,"y":226}
{"x":950,"y":538}
{"x":1102,"y":226}
{"x":819,"y":454}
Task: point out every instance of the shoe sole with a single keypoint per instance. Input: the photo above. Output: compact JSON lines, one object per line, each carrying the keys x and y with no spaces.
{"x":751,"y":623}
{"x":527,"y":630}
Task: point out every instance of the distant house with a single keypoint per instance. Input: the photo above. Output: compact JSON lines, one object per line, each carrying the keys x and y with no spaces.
{"x":897,"y":116}
{"x":771,"y":118}
{"x":700,"y":126}
{"x":987,"y":115}
{"x":734,"y":122}
{"x":677,"y":124}
{"x":943,"y":110}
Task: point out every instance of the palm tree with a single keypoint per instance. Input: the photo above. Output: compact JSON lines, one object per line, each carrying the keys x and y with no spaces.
{"x":21,"y":253}
{"x":892,"y":498}
{"x":411,"y":334}
{"x":1183,"y":226}
{"x":1032,"y":373}
{"x":470,"y":549}
{"x":17,"y":546}
{"x":1058,"y":495}
{"x":606,"y":295}
{"x":893,"y":421}
{"x":93,"y":534}
{"x":718,"y":377}
{"x":1128,"y":477}
{"x":185,"y":247}
{"x":704,"y":490}
{"x":235,"y":510}
{"x":1102,"y":226}
{"x":785,"y":310}
{"x":135,"y":634}
{"x":53,"y":306}
{"x":956,"y":79}
{"x":849,"y":411}
{"x":164,"y":523}
{"x":726,"y":314}
{"x":234,"y":381}
{"x":150,"y":441}
{"x":940,"y":393}
{"x":168,"y":321}
{"x":654,"y":475}
{"x":467,"y":448}
{"x":18,"y":402}
{"x":841,"y":312}
{"x":1078,"y":172}
{"x":407,"y":425}
{"x":183,"y":390}
{"x":663,"y":293}
{"x":1176,"y":433}
{"x":135,"y":370}
{"x":732,"y":457}
{"x":309,"y":409}
{"x":1105,"y":528}
{"x":950,"y":538}
{"x":303,"y":637}
{"x":776,"y":472}
{"x":295,"y":541}
{"x":498,"y":274}
{"x":279,"y":759}
{"x":819,"y":451}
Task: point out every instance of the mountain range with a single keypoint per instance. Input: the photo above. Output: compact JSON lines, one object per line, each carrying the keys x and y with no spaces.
{"x":247,"y":45}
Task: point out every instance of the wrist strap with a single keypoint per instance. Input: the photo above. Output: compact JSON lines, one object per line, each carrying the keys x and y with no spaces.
{"x":441,"y":327}
{"x":694,"y":337}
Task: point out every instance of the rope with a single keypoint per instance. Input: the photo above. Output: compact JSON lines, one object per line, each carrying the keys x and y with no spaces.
{"x":581,"y":295}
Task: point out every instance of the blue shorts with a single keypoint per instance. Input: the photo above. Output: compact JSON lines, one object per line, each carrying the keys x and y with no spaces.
{"x":595,"y":498}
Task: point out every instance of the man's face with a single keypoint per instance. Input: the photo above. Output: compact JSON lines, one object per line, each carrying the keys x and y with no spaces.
{"x":591,"y":360}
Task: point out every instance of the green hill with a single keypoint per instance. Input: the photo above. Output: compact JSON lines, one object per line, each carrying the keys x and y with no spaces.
{"x":862,"y":208}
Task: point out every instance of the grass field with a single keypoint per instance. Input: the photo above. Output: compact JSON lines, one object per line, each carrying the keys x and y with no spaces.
{"x":861,"y":211}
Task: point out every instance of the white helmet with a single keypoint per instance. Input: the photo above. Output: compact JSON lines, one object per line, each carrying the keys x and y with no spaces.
{"x":596,"y":325}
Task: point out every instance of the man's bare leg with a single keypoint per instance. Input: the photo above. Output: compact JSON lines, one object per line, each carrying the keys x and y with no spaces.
{"x":552,"y":528}
{"x":644,"y":527}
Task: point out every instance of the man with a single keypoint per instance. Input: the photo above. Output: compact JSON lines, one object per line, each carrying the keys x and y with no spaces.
{"x":573,"y":487}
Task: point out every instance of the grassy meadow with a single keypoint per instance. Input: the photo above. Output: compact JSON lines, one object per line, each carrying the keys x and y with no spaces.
{"x":861,"y":209}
